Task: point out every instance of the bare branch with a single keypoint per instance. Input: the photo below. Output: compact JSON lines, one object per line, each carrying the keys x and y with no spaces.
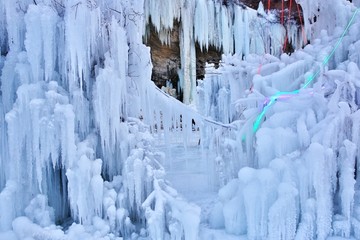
{"x":58,"y":3}
{"x":76,"y":8}
{"x":115,"y":10}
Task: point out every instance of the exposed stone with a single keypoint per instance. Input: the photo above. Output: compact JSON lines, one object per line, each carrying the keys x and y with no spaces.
{"x":276,"y":5}
{"x":166,"y":58}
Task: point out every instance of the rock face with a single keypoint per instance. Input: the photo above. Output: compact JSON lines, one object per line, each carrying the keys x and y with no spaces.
{"x":166,"y":57}
{"x":276,"y":5}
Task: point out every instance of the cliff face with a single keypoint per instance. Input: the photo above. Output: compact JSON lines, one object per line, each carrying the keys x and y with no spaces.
{"x":274,"y":4}
{"x":166,"y":57}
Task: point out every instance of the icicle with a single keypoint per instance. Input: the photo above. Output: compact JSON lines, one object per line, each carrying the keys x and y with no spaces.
{"x":15,"y":26}
{"x":187,"y":53}
{"x":226,"y":30}
{"x":322,"y":186}
{"x":241,"y":31}
{"x":342,"y":227}
{"x":110,"y":98}
{"x":34,"y":42}
{"x":9,"y":81}
{"x":201,"y":30}
{"x":283,"y":227}
{"x":80,"y":43}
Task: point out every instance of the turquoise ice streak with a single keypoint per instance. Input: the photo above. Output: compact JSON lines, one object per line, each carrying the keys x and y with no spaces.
{"x":269,"y":101}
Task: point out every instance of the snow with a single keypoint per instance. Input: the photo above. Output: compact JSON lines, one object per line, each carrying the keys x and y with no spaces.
{"x":38,"y":211}
{"x":92,"y":149}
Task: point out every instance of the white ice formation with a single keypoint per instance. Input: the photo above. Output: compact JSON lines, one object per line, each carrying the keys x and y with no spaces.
{"x":75,"y":78}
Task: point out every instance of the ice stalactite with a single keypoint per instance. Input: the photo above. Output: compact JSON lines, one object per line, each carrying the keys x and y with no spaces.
{"x":226,"y":36}
{"x":13,"y":27}
{"x":138,"y":83}
{"x":82,"y":57}
{"x":162,"y":13}
{"x":85,"y":184}
{"x":241,"y":31}
{"x":110,"y":100}
{"x":82,"y":46}
{"x":40,"y":41}
{"x":201,"y":15}
{"x":187,"y":45}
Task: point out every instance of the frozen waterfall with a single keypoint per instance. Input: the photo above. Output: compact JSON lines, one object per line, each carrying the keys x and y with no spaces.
{"x":80,"y":122}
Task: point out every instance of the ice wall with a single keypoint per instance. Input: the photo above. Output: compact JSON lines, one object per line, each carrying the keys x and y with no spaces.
{"x":316,"y":15}
{"x":298,"y":171}
{"x":75,"y":79}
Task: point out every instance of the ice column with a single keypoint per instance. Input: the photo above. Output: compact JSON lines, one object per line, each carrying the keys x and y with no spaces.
{"x":187,"y":46}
